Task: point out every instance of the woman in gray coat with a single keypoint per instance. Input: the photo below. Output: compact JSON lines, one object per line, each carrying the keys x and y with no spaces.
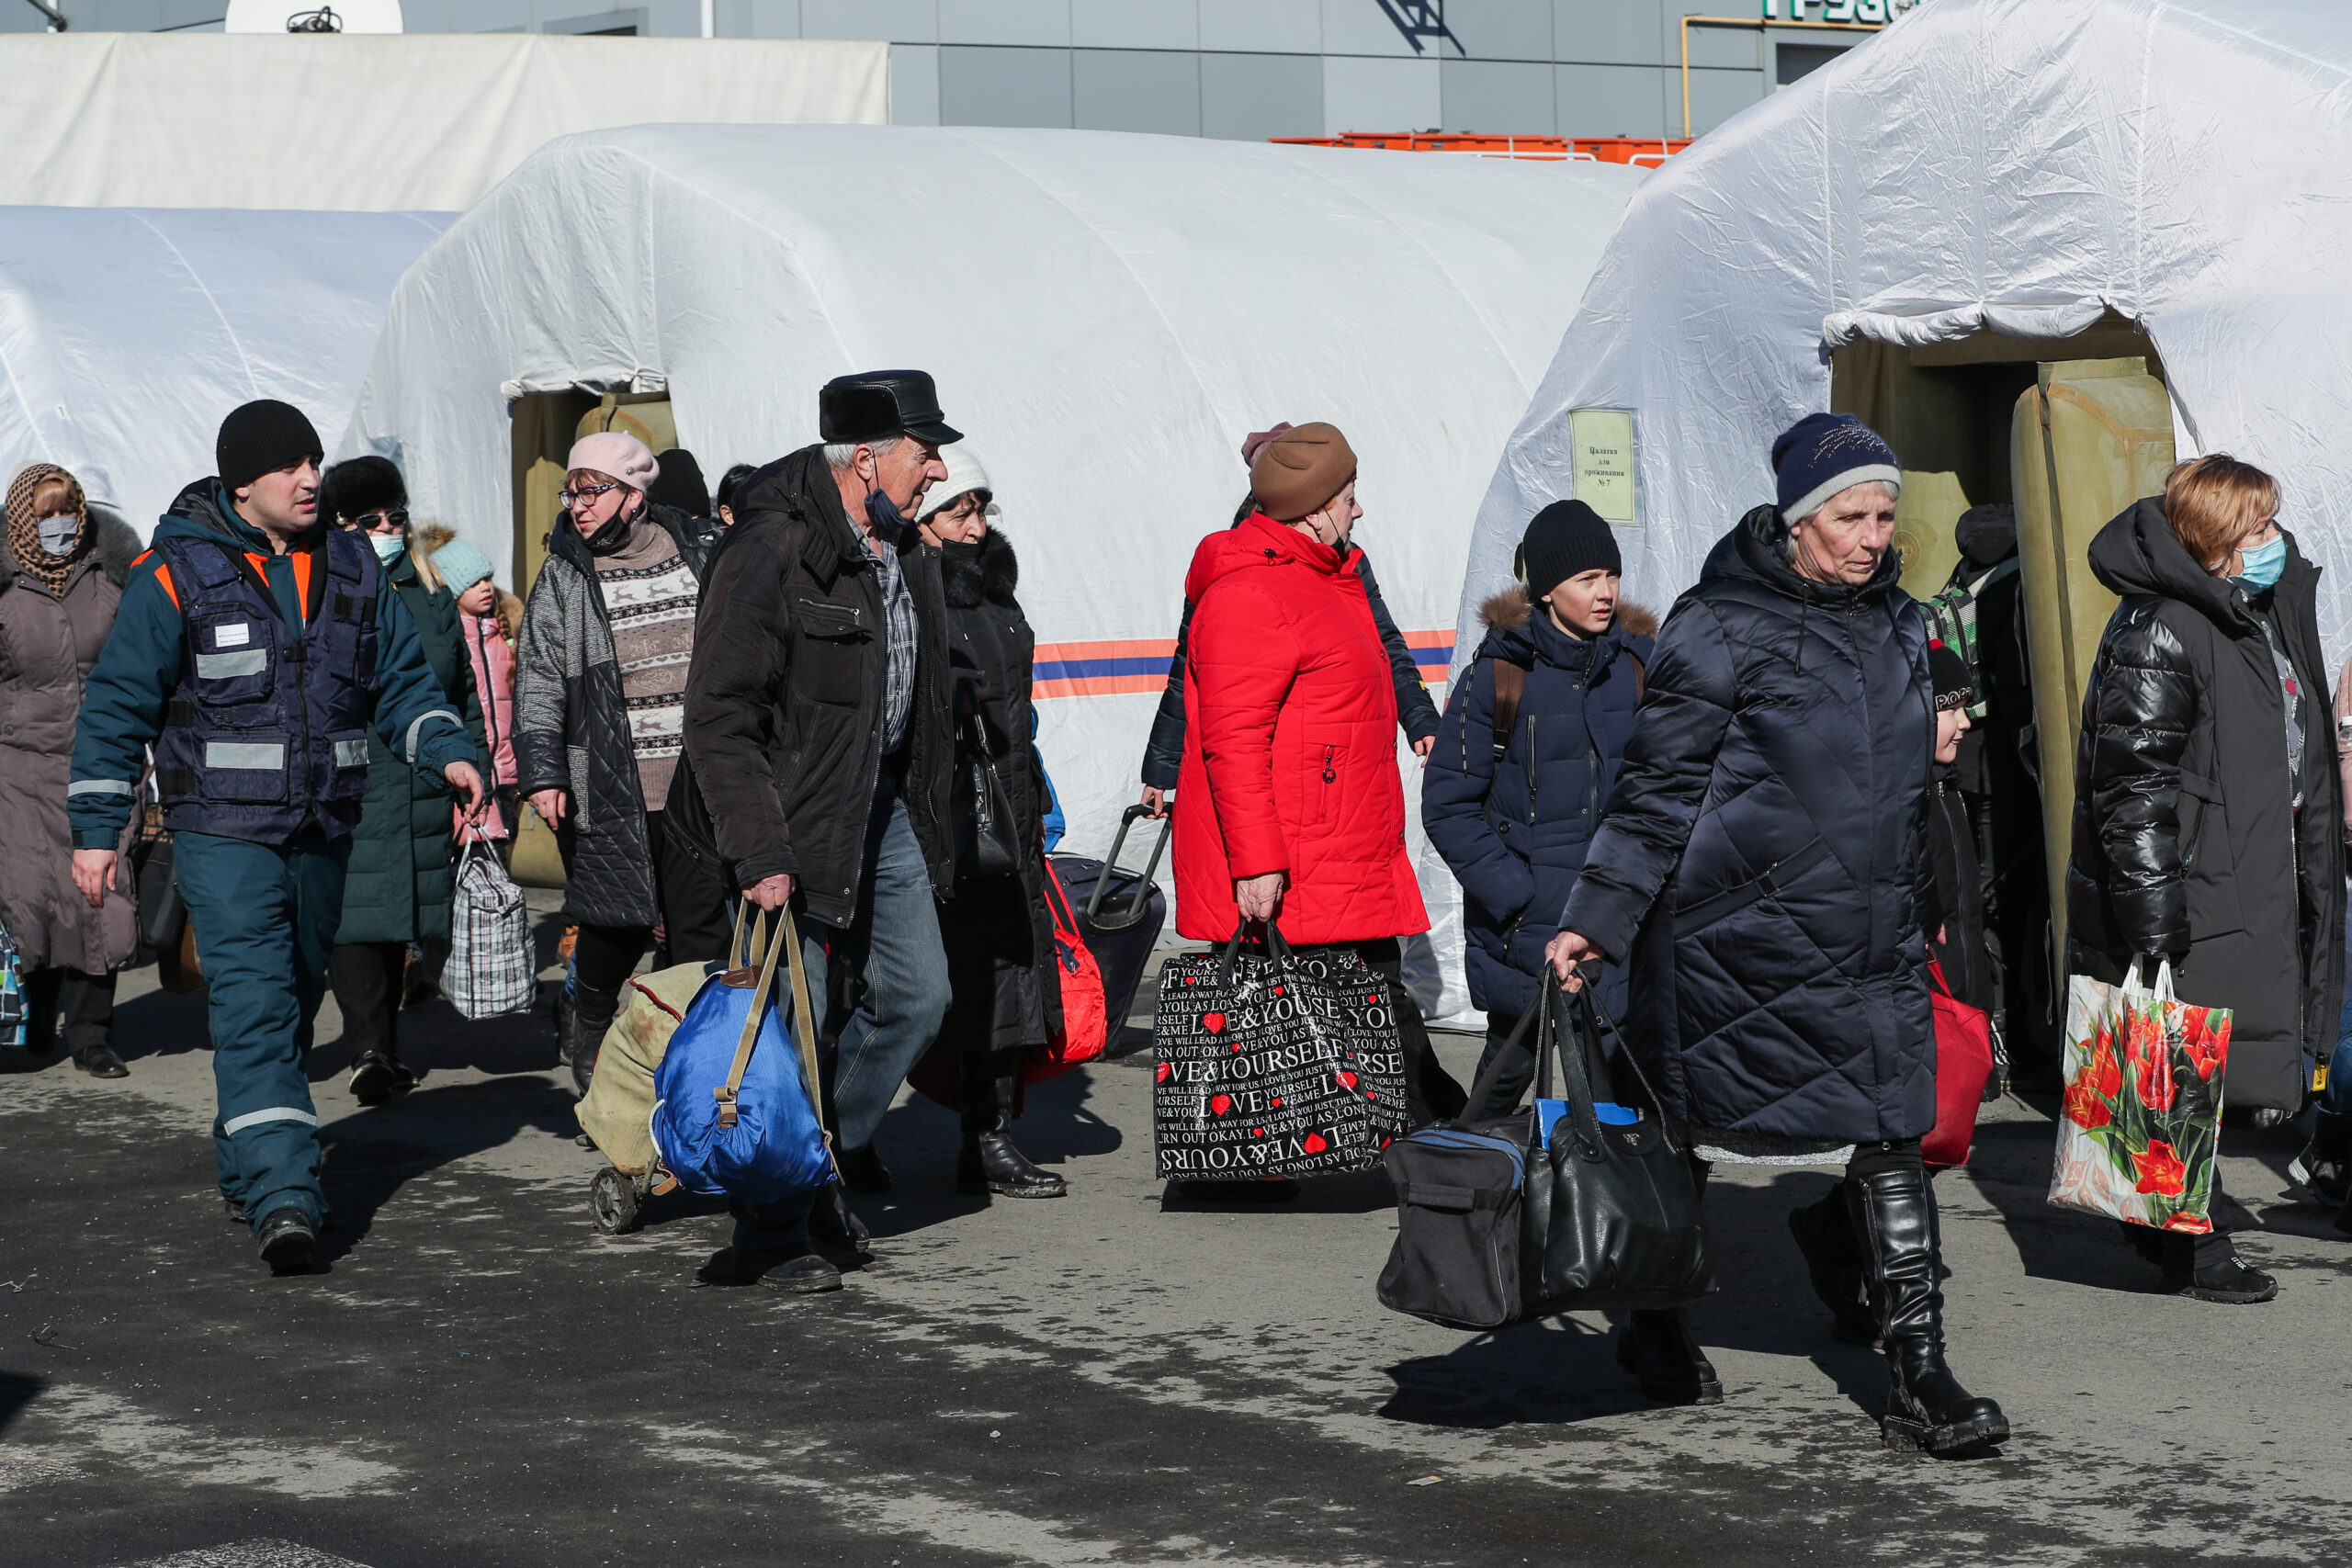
{"x":61,"y":569}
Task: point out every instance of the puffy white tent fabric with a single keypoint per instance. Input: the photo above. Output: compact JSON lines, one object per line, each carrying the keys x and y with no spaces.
{"x":1106,"y":315}
{"x":425,"y":122}
{"x":2015,"y":165}
{"x":125,"y":334}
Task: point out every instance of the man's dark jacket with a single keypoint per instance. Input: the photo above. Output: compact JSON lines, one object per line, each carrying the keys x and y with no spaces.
{"x":1766,"y":839}
{"x":2186,"y":837}
{"x":784,"y":706}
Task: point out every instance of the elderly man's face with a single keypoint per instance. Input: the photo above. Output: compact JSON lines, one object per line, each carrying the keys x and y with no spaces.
{"x":1845,"y":541}
{"x":908,"y":469}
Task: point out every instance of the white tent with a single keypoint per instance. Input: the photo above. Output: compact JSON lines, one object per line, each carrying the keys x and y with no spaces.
{"x":1106,"y":315}
{"x":125,"y":334}
{"x":2015,"y":166}
{"x":425,"y":122}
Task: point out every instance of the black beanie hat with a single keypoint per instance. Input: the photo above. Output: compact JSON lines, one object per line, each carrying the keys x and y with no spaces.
{"x":1565,"y":538}
{"x":262,"y":438}
{"x":1955,"y":683}
{"x":360,"y":485}
{"x":680,"y":483}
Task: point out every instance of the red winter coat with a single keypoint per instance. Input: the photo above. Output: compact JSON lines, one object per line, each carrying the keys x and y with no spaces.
{"x":1290,"y":745}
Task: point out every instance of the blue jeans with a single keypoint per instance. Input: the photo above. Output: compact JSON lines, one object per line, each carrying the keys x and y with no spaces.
{"x":264,"y":917}
{"x":881,"y":986}
{"x":2335,"y":1101}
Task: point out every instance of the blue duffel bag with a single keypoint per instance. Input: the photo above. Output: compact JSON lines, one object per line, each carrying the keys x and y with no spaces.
{"x":735,"y":1095}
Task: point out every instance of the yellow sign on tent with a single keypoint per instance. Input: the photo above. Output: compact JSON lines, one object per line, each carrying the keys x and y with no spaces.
{"x":1602,"y":440}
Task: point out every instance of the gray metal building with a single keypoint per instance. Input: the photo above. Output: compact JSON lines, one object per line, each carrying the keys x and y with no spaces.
{"x":1243,"y":69}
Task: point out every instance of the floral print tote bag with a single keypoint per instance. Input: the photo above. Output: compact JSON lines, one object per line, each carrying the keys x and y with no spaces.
{"x":2141,"y":1119}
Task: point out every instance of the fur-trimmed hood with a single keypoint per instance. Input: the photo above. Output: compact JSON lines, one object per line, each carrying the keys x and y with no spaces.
{"x":1510,"y":610}
{"x":117,"y":547}
{"x":425,"y":539}
{"x":987,"y":571}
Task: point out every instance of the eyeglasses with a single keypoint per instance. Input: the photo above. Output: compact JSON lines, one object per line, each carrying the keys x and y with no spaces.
{"x":389,"y":520}
{"x":572,"y":498}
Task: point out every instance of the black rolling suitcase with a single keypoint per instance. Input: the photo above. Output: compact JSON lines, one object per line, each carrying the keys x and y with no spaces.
{"x":1120,"y":913}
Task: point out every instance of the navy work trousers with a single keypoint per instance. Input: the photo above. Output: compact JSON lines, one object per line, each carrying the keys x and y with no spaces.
{"x":266,"y":917}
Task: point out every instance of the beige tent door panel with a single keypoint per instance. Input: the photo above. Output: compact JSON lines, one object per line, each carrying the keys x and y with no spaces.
{"x":2089,"y":438}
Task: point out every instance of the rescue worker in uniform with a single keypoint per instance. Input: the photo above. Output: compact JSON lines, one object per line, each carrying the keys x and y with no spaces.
{"x":253,"y":648}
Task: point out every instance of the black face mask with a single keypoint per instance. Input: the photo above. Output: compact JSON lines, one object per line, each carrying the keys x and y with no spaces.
{"x":612,"y":536}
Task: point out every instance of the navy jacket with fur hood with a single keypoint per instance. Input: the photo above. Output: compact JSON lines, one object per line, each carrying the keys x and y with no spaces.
{"x":1514,"y":835}
{"x":1767,"y":842}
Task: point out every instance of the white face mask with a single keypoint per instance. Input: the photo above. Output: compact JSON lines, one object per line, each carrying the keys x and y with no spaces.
{"x":388,"y":546}
{"x":58,"y":534}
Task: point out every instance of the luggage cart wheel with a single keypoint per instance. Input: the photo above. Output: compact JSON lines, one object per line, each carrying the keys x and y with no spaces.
{"x":612,"y":1198}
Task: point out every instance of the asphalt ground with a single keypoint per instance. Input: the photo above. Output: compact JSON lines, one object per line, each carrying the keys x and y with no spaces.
{"x":474,"y":1376}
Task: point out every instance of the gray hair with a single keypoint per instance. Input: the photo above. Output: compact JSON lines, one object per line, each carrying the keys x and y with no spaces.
{"x":840,"y":455}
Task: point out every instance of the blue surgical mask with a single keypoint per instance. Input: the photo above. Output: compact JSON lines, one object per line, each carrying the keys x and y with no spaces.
{"x":59,"y":533}
{"x":884,"y":513}
{"x":388,"y":547}
{"x":2262,"y":565}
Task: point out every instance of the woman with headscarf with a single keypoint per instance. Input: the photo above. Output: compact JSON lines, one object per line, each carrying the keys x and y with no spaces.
{"x":62,"y":571}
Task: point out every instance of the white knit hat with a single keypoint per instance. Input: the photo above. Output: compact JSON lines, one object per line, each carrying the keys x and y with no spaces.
{"x":964,"y":476}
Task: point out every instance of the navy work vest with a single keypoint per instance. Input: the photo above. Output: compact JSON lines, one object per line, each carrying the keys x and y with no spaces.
{"x":268,"y":730}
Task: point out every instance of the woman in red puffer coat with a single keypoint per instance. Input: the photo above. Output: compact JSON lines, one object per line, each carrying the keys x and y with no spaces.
{"x":1288,"y":804}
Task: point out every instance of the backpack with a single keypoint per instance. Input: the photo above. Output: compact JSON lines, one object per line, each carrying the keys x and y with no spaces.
{"x":1511,"y":690}
{"x":1951,"y":620}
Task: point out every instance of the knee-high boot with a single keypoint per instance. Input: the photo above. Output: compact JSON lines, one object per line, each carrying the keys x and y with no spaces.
{"x":991,"y":1162}
{"x":1894,"y":1214}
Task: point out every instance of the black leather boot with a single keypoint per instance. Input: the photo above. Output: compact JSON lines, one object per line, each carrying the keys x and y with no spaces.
{"x":590,"y":1016}
{"x":1658,"y":1348}
{"x":1893,"y":1215}
{"x":1833,"y":1259}
{"x":991,"y":1162}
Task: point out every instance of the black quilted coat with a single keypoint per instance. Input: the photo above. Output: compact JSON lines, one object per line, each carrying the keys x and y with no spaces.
{"x":1765,"y":839}
{"x":2186,"y":837}
{"x":571,"y":725}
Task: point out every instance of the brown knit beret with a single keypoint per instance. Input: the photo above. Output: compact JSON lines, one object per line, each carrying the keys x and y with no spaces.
{"x":1300,"y":470}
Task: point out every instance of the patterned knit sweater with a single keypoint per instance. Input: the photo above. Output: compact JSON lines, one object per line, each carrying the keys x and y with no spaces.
{"x":649,"y":600}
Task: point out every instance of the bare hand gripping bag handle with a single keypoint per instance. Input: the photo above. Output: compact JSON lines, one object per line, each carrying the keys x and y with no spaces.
{"x":1571,"y":1206}
{"x":1274,"y":1062}
{"x":738,"y":1091}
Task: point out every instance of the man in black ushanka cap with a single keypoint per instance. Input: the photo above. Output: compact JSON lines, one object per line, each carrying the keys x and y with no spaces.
{"x":821,"y":727}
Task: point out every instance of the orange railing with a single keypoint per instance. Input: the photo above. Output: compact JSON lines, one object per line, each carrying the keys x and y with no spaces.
{"x":1648,"y":151}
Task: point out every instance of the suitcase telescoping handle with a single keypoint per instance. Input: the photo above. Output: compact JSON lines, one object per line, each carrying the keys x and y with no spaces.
{"x":1140,"y":904}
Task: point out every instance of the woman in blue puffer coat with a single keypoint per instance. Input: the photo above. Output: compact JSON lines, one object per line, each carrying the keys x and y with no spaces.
{"x":1766,"y":841}
{"x":1511,"y":807}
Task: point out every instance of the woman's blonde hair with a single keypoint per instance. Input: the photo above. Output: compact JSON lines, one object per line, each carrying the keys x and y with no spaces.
{"x":2215,"y":500}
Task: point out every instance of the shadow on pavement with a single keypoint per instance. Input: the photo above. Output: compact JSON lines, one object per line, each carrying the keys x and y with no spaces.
{"x":161,"y":1024}
{"x":16,"y":1391}
{"x":368,"y":1156}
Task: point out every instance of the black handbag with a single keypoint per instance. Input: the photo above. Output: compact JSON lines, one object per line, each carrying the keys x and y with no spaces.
{"x":1498,"y":1223}
{"x":986,"y":841}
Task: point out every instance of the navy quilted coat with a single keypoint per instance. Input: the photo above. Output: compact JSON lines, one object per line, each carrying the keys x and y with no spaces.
{"x":1516,"y":847}
{"x":1766,"y":841}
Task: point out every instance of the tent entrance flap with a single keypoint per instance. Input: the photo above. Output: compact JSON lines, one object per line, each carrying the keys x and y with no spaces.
{"x":2090,"y":436}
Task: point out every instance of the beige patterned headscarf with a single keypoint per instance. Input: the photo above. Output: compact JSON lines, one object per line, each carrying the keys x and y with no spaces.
{"x":24,"y":533}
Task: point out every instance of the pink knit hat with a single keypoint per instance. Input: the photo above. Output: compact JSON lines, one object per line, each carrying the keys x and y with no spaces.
{"x":614,"y":452}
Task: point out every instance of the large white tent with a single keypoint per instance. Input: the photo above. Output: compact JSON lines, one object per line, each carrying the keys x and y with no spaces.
{"x":1106,"y":315}
{"x":427,"y":121}
{"x":126,"y":334}
{"x":2011,"y":166}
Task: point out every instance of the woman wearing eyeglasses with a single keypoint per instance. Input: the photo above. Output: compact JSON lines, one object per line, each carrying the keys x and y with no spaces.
{"x":396,"y":889}
{"x":600,"y":684}
{"x":2208,"y":821}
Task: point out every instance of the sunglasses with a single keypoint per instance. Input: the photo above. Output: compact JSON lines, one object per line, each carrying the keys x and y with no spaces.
{"x":391,"y":520}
